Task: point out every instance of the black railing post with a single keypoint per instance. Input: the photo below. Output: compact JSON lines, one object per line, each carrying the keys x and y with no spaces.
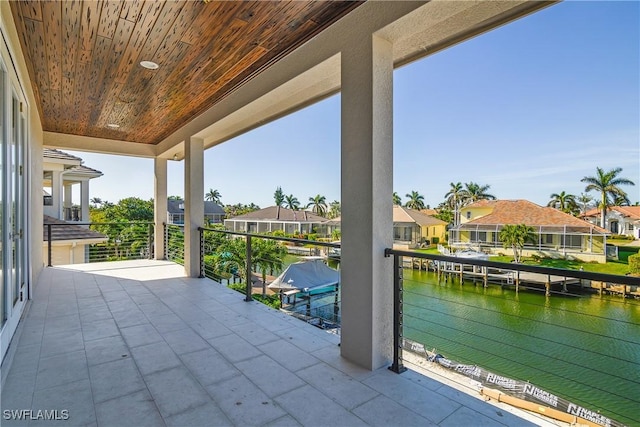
{"x":150,"y":241}
{"x":397,"y":366}
{"x":166,"y":241}
{"x":49,"y":238}
{"x":201,"y":252}
{"x":248,"y":286}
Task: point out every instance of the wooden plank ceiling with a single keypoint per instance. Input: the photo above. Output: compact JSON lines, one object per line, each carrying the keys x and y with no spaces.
{"x":84,"y":57}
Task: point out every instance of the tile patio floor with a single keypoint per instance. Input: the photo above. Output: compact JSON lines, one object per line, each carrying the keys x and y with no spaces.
{"x":138,"y":344}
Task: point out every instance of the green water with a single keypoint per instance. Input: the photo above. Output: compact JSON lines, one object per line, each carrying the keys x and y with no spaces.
{"x":585,"y":349}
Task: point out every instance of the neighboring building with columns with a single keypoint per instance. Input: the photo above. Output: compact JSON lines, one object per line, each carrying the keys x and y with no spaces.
{"x":70,"y":242}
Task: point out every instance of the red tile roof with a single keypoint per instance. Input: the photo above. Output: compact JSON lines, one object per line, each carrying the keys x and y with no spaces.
{"x":526,"y":212}
{"x":628,"y":211}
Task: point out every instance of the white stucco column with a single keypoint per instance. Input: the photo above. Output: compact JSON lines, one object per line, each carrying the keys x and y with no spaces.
{"x":367,"y":188}
{"x":67,"y":196}
{"x":159,"y":205}
{"x":57,"y":196}
{"x":84,"y":201}
{"x":193,"y":204}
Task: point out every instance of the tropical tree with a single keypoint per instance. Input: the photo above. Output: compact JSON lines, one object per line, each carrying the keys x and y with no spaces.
{"x":239,"y":209}
{"x":584,"y":200}
{"x":213,"y":196}
{"x":515,"y":236}
{"x":267,"y":255}
{"x":454,"y":199}
{"x":278,"y":196}
{"x":474,"y":192}
{"x":564,"y":202}
{"x":96,"y":202}
{"x":292,"y":202}
{"x":334,"y":210}
{"x":318,"y":205}
{"x":174,"y":198}
{"x":416,"y":200}
{"x":396,"y":199}
{"x":608,"y":185}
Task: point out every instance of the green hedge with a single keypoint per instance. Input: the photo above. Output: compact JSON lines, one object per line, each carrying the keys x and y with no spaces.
{"x":634,"y":264}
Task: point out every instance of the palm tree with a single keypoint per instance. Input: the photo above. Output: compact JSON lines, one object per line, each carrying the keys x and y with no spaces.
{"x":213,"y":196}
{"x":454,"y":199}
{"x":278,"y":196}
{"x":96,"y":201}
{"x":515,"y":237}
{"x":474,"y":192}
{"x":318,"y":205}
{"x":584,"y":200}
{"x":267,"y":255}
{"x":396,"y":199}
{"x":416,"y":200}
{"x":564,"y":202}
{"x":292,"y":202}
{"x":608,"y":185}
{"x":334,"y":210}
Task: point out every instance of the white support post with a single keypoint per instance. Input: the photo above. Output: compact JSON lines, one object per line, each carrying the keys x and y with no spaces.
{"x":159,"y":205}
{"x":193,"y":204}
{"x":84,"y":201}
{"x":367,"y":188}
{"x":56,"y":190}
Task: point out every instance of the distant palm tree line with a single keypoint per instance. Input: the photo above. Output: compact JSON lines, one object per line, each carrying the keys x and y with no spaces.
{"x":607,"y":184}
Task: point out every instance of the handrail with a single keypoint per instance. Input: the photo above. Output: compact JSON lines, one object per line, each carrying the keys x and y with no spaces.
{"x":553,"y":271}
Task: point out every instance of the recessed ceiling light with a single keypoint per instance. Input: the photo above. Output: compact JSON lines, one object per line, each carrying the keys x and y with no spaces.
{"x":113,"y":126}
{"x":149,"y":65}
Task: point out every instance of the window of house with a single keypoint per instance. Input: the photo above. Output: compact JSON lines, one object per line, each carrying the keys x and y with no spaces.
{"x":469,"y":215}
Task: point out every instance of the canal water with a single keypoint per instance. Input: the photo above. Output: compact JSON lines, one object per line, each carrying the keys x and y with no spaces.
{"x":585,"y":349}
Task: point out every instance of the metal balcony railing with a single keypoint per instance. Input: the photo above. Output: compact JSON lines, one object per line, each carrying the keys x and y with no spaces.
{"x":563,"y":339}
{"x":98,"y":242}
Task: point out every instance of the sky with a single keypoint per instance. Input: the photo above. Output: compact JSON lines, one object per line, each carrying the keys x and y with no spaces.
{"x":529,"y":108}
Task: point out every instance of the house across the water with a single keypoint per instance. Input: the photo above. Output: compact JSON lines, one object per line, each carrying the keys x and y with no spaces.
{"x":623,"y":220}
{"x":557,"y":234}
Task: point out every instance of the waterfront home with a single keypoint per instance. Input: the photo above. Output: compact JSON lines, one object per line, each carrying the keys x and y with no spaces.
{"x":413,"y":228}
{"x":557,"y":234}
{"x":623,"y":220}
{"x":275,"y":218}
{"x":213,"y":212}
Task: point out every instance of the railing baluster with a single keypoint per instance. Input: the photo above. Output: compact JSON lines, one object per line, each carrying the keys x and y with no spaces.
{"x":49,"y":238}
{"x":201,"y":231}
{"x":397,"y":366}
{"x":248,"y":285}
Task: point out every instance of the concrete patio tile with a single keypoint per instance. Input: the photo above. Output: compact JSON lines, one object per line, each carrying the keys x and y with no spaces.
{"x":140,"y":335}
{"x":94,"y":314}
{"x":128,"y":318}
{"x":17,"y":391}
{"x":234,"y":348}
{"x":62,"y":342}
{"x":114,"y":379}
{"x":310,"y":407}
{"x":106,"y":350}
{"x":63,"y":323}
{"x":185,"y":341}
{"x":209,"y":328}
{"x":121,"y":296}
{"x":253,"y":333}
{"x":175,"y":391}
{"x":167,"y":322}
{"x":336,"y":385}
{"x":208,"y":366}
{"x":99,"y":329}
{"x":61,"y":369}
{"x":154,"y":309}
{"x":288,"y":355}
{"x":26,"y":358}
{"x":384,"y":412}
{"x":154,"y":357}
{"x":465,"y":417}
{"x":270,"y":376}
{"x":303,"y":339}
{"x":137,"y":409}
{"x":428,"y":403}
{"x":208,"y":414}
{"x":331,"y":356}
{"x":74,"y":397}
{"x":244,"y":403}
{"x":286,"y":421}
{"x":32,"y":335}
